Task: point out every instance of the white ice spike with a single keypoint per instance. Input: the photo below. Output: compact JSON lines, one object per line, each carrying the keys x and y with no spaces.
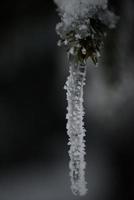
{"x":75,"y":128}
{"x":82,"y":30}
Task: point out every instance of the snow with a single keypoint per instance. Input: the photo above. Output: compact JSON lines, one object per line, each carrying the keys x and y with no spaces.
{"x":74,"y":9}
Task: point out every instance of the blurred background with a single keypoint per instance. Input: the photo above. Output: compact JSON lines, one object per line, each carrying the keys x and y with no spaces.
{"x":33,"y":139}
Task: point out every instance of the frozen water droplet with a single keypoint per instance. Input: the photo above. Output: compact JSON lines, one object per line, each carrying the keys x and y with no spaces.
{"x":65,"y":42}
{"x":71,"y":51}
{"x":82,"y":27}
{"x":77,"y":36}
{"x":59,"y":43}
{"x":84,"y":51}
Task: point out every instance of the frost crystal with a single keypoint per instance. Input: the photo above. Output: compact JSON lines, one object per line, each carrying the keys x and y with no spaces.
{"x":82,"y":30}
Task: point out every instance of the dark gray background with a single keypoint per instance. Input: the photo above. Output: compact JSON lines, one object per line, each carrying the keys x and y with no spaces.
{"x":33,"y":139}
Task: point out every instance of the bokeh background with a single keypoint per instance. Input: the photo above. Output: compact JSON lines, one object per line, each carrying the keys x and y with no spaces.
{"x":33,"y":139}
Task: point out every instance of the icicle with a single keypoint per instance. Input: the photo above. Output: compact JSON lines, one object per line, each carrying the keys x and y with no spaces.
{"x":82,"y":30}
{"x":75,"y":128}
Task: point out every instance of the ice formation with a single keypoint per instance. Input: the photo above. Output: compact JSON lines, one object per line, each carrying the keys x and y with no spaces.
{"x":83,"y":27}
{"x":75,"y":127}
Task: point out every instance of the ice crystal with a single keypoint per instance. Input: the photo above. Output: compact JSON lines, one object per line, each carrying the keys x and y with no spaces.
{"x":82,"y":30}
